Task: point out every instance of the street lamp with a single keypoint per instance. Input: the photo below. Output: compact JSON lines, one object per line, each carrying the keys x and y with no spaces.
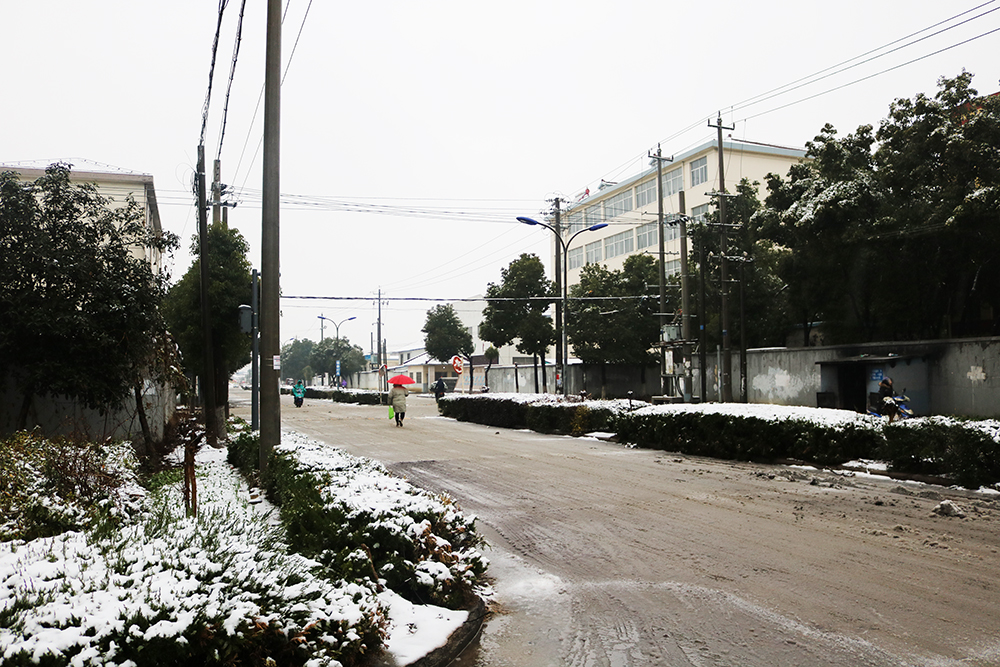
{"x":335,"y":324}
{"x":565,"y":288}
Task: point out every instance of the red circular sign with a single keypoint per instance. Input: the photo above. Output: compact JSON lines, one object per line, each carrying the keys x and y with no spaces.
{"x":457,"y":364}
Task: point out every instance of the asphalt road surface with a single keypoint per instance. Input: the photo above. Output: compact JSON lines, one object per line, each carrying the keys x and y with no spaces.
{"x":604,"y":556}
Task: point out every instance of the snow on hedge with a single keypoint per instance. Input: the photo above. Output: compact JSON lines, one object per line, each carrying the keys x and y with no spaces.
{"x":615,"y":404}
{"x":95,"y":599}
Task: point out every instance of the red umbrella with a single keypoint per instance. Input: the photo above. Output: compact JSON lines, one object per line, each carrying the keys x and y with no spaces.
{"x":401,"y":379}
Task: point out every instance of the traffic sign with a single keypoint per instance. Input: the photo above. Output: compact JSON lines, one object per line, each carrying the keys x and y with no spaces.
{"x":457,"y":364}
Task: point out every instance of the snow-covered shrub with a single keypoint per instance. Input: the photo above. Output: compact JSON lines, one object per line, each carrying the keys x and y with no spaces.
{"x":364,"y":523}
{"x":545,"y":413}
{"x":967,"y":452}
{"x":171,"y":589}
{"x":51,"y":485}
{"x":502,"y":410}
{"x":755,"y":433}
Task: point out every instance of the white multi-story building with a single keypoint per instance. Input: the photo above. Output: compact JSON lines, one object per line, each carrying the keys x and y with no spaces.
{"x":630,"y":208}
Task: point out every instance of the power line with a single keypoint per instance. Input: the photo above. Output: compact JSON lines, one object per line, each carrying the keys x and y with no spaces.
{"x":872,"y":76}
{"x":768,"y":94}
{"x":211,"y":72}
{"x":815,"y":77}
{"x":232,"y":73}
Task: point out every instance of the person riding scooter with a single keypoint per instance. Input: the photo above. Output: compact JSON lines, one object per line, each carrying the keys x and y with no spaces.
{"x":299,"y":393}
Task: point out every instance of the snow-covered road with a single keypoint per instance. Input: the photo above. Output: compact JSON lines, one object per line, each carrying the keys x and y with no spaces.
{"x":610,"y":556}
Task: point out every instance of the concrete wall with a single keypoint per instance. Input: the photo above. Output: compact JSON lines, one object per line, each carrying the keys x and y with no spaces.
{"x":59,"y":415}
{"x":951,"y":377}
{"x":947,"y":377}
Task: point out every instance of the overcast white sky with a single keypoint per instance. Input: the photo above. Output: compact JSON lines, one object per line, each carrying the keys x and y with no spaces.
{"x":451,"y":117}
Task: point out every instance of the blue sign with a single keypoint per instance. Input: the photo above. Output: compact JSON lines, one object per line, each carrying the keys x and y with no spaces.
{"x":338,"y":366}
{"x":877,"y":374}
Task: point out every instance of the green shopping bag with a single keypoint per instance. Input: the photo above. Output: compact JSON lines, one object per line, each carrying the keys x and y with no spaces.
{"x":392,"y":413}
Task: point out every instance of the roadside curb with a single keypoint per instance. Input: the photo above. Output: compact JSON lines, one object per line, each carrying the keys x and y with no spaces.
{"x":458,"y":641}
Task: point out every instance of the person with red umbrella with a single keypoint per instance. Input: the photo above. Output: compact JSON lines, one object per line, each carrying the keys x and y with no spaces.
{"x":397,"y":396}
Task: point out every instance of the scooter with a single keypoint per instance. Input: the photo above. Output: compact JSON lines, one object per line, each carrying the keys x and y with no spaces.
{"x":298,"y":401}
{"x":901,"y":403}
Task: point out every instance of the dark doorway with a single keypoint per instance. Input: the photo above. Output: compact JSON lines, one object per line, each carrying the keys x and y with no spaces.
{"x":852,"y":385}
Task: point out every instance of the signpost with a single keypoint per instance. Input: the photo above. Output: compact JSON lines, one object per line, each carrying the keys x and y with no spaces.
{"x":457,"y":364}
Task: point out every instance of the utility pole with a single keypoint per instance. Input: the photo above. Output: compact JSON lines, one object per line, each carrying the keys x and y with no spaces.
{"x":378,"y":341}
{"x":208,"y":372}
{"x":685,"y":300}
{"x":663,"y":269}
{"x":217,"y":193}
{"x":560,"y":366}
{"x":255,"y":352}
{"x":270,"y":425}
{"x":727,"y":358}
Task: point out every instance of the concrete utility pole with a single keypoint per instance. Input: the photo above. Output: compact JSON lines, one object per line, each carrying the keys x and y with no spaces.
{"x":560,"y":333}
{"x":685,"y":300}
{"x":663,"y":269}
{"x":378,"y":341}
{"x":208,"y":372}
{"x":270,"y":333}
{"x":255,"y":352}
{"x":727,"y":356}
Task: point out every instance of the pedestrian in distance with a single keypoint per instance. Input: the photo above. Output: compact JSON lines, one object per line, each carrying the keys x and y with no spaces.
{"x":397,"y":399}
{"x":439,"y":389}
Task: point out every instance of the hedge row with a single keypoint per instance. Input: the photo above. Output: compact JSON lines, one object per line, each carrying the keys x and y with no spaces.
{"x":727,"y":436}
{"x":420,"y":546}
{"x":361,"y":396}
{"x":965,"y":452}
{"x":545,"y":416}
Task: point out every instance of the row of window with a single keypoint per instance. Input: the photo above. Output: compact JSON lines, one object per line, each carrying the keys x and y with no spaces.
{"x":623,"y":243}
{"x":645,"y":193}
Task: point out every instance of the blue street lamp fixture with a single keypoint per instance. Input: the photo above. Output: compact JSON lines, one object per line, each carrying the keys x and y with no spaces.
{"x":565,"y":288}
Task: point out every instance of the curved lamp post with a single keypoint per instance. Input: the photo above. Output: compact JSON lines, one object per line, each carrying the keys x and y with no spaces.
{"x":336,"y":325}
{"x":565,"y":288}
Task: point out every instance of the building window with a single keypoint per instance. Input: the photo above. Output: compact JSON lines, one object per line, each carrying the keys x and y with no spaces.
{"x":645,"y":193}
{"x":699,"y":171}
{"x":593,"y":252}
{"x":673,"y":182}
{"x":574,"y":223}
{"x":420,"y":376}
{"x":647,"y":235}
{"x":699,"y":212}
{"x":672,"y":267}
{"x":619,"y":244}
{"x":592,"y":215}
{"x":574,"y":258}
{"x":620,"y":204}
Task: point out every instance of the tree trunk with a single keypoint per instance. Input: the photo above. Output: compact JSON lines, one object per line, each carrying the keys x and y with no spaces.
{"x":140,"y":411}
{"x":534,"y":361}
{"x":471,"y":368}
{"x":22,"y":417}
{"x":545,"y":384}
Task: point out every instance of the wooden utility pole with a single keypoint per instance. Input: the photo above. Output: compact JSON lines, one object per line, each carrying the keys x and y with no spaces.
{"x":270,"y":325}
{"x":208,"y":371}
{"x":727,"y":356}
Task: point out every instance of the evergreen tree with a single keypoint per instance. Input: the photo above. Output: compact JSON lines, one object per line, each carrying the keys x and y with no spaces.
{"x":79,"y":308}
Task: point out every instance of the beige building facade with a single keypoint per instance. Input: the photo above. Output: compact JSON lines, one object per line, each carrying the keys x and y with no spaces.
{"x":629,"y":208}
